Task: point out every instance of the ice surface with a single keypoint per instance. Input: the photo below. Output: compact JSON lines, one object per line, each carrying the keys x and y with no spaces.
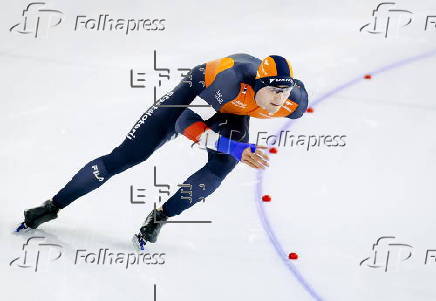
{"x":66,"y":99}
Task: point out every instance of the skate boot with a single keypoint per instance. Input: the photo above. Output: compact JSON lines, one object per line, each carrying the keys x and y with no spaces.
{"x":150,"y":229}
{"x":36,"y":216}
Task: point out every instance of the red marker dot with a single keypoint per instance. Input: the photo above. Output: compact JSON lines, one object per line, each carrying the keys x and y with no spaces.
{"x":273,"y":150}
{"x":367,"y":76}
{"x":293,"y":256}
{"x":309,"y":110}
{"x":266,"y":198}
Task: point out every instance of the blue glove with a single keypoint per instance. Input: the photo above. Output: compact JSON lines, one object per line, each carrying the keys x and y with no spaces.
{"x":232,"y":147}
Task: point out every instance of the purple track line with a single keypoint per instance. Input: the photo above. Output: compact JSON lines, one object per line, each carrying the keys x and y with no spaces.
{"x":259,"y":205}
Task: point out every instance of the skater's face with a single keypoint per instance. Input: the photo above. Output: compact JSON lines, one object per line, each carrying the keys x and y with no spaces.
{"x":272,"y":98}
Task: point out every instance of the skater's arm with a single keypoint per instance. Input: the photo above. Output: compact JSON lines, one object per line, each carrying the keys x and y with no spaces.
{"x":299,"y":96}
{"x":192,"y":126}
{"x":222,"y":83}
{"x":247,"y":153}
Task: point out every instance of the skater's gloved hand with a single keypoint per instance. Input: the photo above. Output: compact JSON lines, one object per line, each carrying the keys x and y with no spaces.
{"x":257,"y":159}
{"x":248,"y":153}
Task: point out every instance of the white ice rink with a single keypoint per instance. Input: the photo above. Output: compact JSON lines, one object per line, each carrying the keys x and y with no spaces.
{"x":360,"y":217}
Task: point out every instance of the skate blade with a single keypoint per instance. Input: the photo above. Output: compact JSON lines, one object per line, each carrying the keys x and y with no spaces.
{"x":138,"y":243}
{"x":22,"y":228}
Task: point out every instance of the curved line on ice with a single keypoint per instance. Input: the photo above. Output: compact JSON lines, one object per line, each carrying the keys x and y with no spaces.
{"x":260,"y":208}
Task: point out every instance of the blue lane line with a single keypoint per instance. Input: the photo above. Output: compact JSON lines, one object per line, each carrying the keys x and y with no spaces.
{"x":259,"y":204}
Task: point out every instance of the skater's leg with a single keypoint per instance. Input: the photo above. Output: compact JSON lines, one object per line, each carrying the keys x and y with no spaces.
{"x":96,"y":172}
{"x":202,"y":183}
{"x":153,"y":128}
{"x":77,"y":186}
{"x":207,"y":179}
